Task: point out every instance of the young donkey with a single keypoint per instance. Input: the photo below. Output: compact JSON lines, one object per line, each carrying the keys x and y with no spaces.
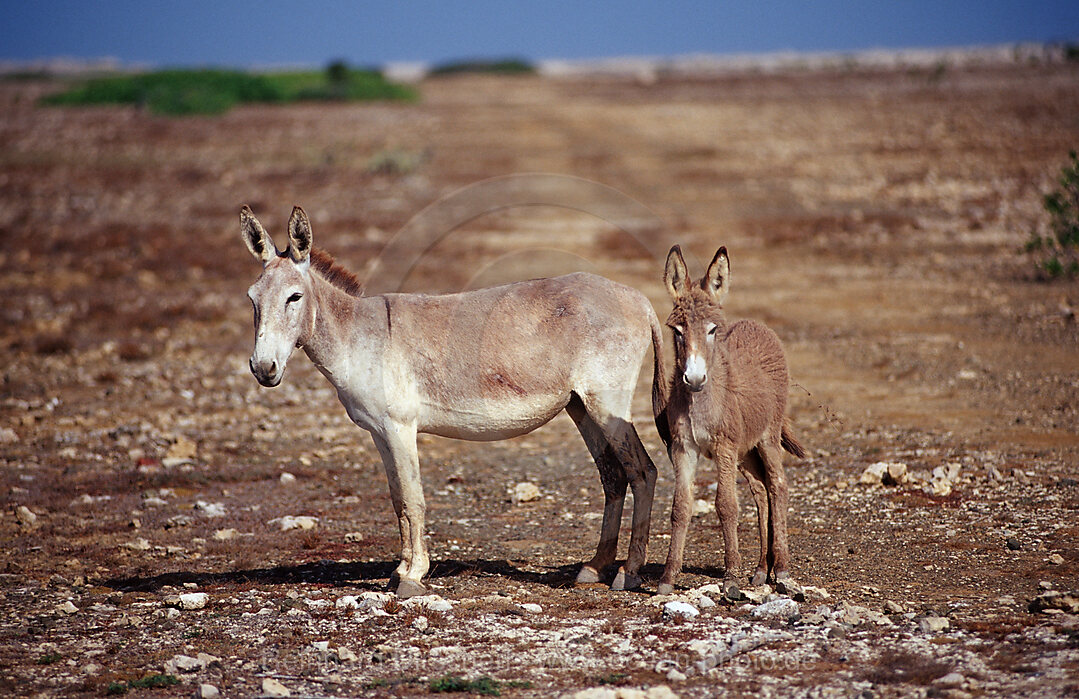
{"x":480,"y":365}
{"x":727,"y":402}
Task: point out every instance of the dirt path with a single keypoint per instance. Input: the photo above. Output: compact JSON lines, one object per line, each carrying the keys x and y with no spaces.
{"x":873,"y":219}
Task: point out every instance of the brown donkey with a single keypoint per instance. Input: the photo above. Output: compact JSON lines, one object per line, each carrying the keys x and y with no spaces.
{"x":727,"y":402}
{"x":480,"y":365}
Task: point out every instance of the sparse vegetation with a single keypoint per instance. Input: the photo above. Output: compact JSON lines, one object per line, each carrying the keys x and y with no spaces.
{"x":484,"y":685}
{"x":185,"y":92}
{"x":148,"y":682}
{"x":1059,"y":249}
{"x":503,"y":66}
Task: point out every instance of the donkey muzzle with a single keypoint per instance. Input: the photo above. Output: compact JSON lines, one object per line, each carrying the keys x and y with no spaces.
{"x":696,"y":373}
{"x":268,"y":374}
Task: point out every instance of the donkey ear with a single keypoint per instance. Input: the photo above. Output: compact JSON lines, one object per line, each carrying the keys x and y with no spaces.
{"x":675,"y":275}
{"x":717,"y":280}
{"x":299,"y":235}
{"x":255,"y":236}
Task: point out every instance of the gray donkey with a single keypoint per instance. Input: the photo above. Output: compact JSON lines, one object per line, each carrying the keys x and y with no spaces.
{"x":727,"y":402}
{"x":479,"y":365}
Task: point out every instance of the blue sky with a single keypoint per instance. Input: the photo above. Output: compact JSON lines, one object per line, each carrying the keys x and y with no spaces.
{"x":269,"y":32}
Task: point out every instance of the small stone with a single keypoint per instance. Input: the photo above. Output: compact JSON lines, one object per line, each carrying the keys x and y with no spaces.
{"x":525,"y":492}
{"x":194,"y":600}
{"x":934,"y":624}
{"x":91,"y":669}
{"x":952,"y":679}
{"x":532,"y":607}
{"x":782,"y":608}
{"x":682,"y":609}
{"x":702,"y":507}
{"x":676,"y":675}
{"x":287,"y":478}
{"x":1013,"y":544}
{"x":895,"y":474}
{"x":273,"y":688}
{"x":290,"y":522}
{"x":791,"y":589}
{"x":1056,"y":601}
{"x":873,"y":473}
{"x":8,"y":436}
{"x":1055,"y":559}
{"x":995,"y":475}
{"x":353,"y":537}
{"x":25,"y":516}
{"x":208,"y":691}
{"x":893,"y":607}
{"x":345,"y":655}
{"x":1045,"y":585}
{"x":225,"y":534}
{"x":183,"y":449}
{"x":210,"y":509}
{"x":432,"y":603}
{"x":705,"y":602}
{"x":67,"y":608}
{"x":182,"y":663}
{"x":420,"y":623}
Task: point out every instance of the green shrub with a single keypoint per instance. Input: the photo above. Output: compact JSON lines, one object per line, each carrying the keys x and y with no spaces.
{"x":183,"y":92}
{"x":505,"y":66}
{"x":481,"y":685}
{"x":1059,"y":249}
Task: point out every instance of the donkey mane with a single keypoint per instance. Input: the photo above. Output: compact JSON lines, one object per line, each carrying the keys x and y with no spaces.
{"x":335,"y":274}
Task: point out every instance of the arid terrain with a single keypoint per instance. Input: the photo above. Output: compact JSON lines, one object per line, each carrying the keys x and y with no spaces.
{"x":875,"y":219}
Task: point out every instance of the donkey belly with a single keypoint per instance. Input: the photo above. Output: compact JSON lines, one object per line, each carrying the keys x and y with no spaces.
{"x":490,"y":420}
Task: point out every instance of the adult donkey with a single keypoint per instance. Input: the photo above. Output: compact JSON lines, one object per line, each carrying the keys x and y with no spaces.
{"x":479,"y":365}
{"x":727,"y":402}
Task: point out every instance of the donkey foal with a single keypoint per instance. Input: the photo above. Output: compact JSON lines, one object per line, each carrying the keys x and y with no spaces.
{"x":727,"y":402}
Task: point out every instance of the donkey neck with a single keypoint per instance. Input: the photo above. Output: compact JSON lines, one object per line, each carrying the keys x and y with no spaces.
{"x":343,"y":326}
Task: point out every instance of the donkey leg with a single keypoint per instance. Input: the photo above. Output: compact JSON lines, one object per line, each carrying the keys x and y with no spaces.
{"x":613,"y":479}
{"x":778,"y":502}
{"x":754,"y":470}
{"x":397,"y":446}
{"x":684,"y":459}
{"x":641,"y":472}
{"x":727,"y":510}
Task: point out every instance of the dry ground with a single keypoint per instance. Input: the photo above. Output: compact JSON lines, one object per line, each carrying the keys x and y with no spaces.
{"x":873,"y":219}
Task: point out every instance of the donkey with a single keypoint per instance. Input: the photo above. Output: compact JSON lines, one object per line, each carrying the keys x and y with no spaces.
{"x":727,"y":402}
{"x":479,"y":365}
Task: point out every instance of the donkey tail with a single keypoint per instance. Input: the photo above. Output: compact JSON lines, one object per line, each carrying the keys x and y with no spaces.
{"x":789,"y":442}
{"x":659,"y":383}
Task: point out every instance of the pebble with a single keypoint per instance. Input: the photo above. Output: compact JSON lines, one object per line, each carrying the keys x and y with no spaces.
{"x":934,"y":624}
{"x":289,"y":522}
{"x":1013,"y":544}
{"x":702,"y":507}
{"x":432,"y":603}
{"x":682,"y":609}
{"x":782,"y":608}
{"x":273,"y":688}
{"x":210,"y":509}
{"x":182,"y":663}
{"x":532,"y":607}
{"x":952,"y":679}
{"x":353,"y":537}
{"x":208,"y":691}
{"x":1055,"y":559}
{"x":8,"y":436}
{"x":287,"y":478}
{"x":346,"y":655}
{"x":67,"y":608}
{"x":193,"y":600}
{"x":225,"y":534}
{"x":525,"y":492}
{"x":25,"y":516}
{"x":420,"y":623}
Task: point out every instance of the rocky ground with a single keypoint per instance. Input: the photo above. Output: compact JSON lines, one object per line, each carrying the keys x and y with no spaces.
{"x":167,"y":524}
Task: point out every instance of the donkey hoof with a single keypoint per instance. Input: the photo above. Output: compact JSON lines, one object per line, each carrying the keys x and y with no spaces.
{"x":587,"y":575}
{"x":759,"y":578}
{"x":665,"y":589}
{"x":625,"y":581}
{"x":785,"y":575}
{"x":731,"y":591}
{"x":410,"y":588}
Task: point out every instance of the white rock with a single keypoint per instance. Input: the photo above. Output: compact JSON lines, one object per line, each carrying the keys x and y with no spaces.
{"x":289,"y":522}
{"x":705,"y":602}
{"x":702,"y":507}
{"x":683,"y":609}
{"x":933,"y":624}
{"x":273,"y":688}
{"x":1055,"y":559}
{"x":873,"y":473}
{"x":25,"y":516}
{"x":532,"y":607}
{"x":182,"y":663}
{"x":346,"y":655}
{"x":660,"y":692}
{"x":225,"y":534}
{"x":676,"y":675}
{"x":782,"y":608}
{"x":287,"y":478}
{"x":432,"y":603}
{"x":67,"y":608}
{"x":210,"y":509}
{"x":353,"y":537}
{"x":208,"y":691}
{"x":347,"y":602}
{"x":8,"y":436}
{"x":525,"y":492}
{"x":194,"y":600}
{"x":420,"y":623}
{"x":91,"y":669}
{"x":952,"y":679}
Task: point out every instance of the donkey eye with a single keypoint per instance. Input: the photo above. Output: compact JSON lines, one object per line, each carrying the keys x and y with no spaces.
{"x":712,"y":331}
{"x":294,"y":298}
